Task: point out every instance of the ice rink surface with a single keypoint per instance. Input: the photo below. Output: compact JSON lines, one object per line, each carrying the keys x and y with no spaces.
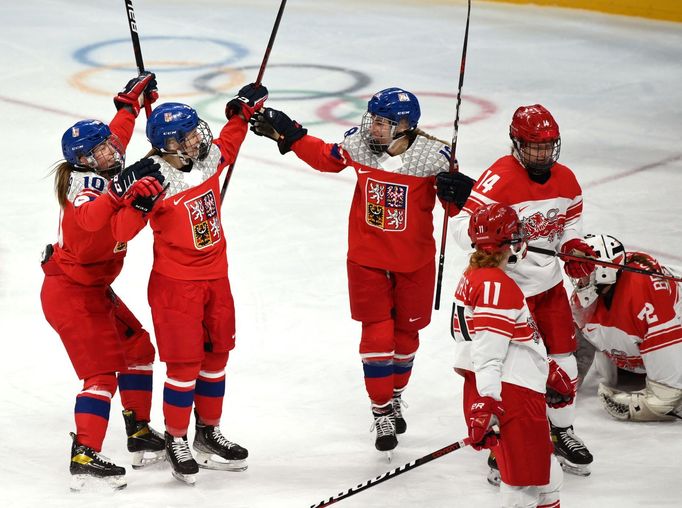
{"x":295,"y":396}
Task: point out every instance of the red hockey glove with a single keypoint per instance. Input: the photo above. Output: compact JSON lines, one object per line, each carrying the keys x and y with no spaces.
{"x":560,"y":389}
{"x":248,"y":100}
{"x":132,"y":93}
{"x":485,"y":412}
{"x":574,"y":268}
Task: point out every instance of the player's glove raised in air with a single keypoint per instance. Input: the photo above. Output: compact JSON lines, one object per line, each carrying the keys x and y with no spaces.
{"x":454,"y":187}
{"x":277,"y":125}
{"x":573,"y":267}
{"x":121,"y":186}
{"x":560,"y":390}
{"x":248,"y":100}
{"x":145,"y":199}
{"x":135,"y":92}
{"x":485,"y":412}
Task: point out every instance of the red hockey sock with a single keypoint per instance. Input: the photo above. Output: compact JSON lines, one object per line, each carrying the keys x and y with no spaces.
{"x":210,"y":390}
{"x":178,"y":396}
{"x":135,"y":386}
{"x":91,"y":412}
{"x":406,"y":345}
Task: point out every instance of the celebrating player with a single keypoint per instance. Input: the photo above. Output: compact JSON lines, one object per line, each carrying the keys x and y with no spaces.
{"x":391,"y":252}
{"x":636,"y":321}
{"x":101,"y":336}
{"x":504,"y":363}
{"x":189,"y":291}
{"x":547,"y":198}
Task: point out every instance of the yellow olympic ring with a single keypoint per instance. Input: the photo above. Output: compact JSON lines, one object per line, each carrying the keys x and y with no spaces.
{"x":79,"y":79}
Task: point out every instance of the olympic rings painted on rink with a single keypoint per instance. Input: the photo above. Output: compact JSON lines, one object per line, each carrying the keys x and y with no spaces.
{"x":79,"y":79}
{"x":236,"y":51}
{"x":360,"y":80}
{"x":486,"y":109}
{"x":274,"y":95}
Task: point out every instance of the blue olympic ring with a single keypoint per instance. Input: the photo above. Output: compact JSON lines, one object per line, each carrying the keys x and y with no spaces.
{"x":82,"y":55}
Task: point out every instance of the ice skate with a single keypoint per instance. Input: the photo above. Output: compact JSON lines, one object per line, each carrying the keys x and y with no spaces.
{"x":147,"y":445}
{"x":185,"y":468}
{"x":571,"y":452}
{"x":494,"y":473}
{"x":400,"y":423}
{"x":214,"y":451}
{"x":90,"y":469}
{"x":384,"y":423}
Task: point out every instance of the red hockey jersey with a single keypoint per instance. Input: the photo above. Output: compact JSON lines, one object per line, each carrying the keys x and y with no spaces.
{"x":390,"y":225}
{"x":495,"y":333}
{"x":551,"y":214}
{"x":93,"y":231}
{"x":189,"y":241}
{"x":641,"y":329}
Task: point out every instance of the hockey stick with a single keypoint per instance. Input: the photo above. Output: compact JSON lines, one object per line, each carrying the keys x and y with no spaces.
{"x":261,"y":71}
{"x":132,"y":23}
{"x":392,"y":474}
{"x":626,"y":268}
{"x":453,"y":150}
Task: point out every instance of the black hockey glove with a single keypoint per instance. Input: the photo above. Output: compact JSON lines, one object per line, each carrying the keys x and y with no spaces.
{"x":277,"y":125}
{"x":131,"y":95}
{"x":249,"y":100}
{"x":121,"y":183}
{"x":454,"y":187}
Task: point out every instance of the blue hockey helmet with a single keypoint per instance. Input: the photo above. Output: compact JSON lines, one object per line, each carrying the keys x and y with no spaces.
{"x":395,"y":104}
{"x":81,"y":138}
{"x":174,"y":121}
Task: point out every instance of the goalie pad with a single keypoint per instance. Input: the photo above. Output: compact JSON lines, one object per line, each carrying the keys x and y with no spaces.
{"x":657,"y":402}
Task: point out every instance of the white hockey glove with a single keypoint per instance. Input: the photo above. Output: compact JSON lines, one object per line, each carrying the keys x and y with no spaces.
{"x":657,"y":402}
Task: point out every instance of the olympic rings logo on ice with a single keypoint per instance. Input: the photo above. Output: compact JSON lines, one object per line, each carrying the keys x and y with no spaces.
{"x":214,"y":81}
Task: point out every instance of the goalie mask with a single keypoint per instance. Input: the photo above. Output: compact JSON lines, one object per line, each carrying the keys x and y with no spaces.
{"x":588,"y":289}
{"x":495,"y":226}
{"x":90,"y":145}
{"x":176,"y":129}
{"x":391,"y":114}
{"x":535,"y":139}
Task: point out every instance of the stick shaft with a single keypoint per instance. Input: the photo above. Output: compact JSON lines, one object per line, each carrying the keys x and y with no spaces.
{"x":137,"y":49}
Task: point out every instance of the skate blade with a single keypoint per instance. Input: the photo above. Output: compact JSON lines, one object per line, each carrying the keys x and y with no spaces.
{"x":81,"y":482}
{"x":574,"y":469}
{"x":188,"y":479}
{"x":148,"y":458}
{"x":494,"y":477}
{"x":217,"y":463}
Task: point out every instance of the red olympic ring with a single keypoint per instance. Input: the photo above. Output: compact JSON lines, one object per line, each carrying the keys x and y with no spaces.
{"x":326,"y":111}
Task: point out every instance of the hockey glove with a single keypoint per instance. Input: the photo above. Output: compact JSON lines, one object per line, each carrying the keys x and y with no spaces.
{"x":145,"y":204}
{"x":120,"y":185}
{"x":560,"y":390}
{"x":574,"y":268}
{"x":485,"y":412}
{"x":249,"y":100}
{"x":277,"y":125}
{"x":135,"y":91}
{"x":454,"y":187}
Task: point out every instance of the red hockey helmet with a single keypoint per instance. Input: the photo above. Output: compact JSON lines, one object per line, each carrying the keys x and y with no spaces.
{"x":493,"y":226}
{"x":536,"y":139}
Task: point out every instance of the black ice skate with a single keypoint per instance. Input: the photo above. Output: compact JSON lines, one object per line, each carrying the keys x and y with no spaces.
{"x":89,"y":468}
{"x":185,"y":468}
{"x":215,"y":451}
{"x":571,"y":452}
{"x":400,"y":423}
{"x":384,"y":423}
{"x":494,"y":473}
{"x":147,"y":446}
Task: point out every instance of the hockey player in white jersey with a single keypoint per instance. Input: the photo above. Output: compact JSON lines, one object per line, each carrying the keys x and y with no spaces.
{"x":635,"y":321}
{"x":548,"y":199}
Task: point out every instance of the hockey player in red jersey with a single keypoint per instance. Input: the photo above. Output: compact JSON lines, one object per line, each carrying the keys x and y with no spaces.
{"x":546,"y":196}
{"x":391,"y":251}
{"x":189,"y":291}
{"x":504,"y":363}
{"x":101,"y":336}
{"x":636,"y":321}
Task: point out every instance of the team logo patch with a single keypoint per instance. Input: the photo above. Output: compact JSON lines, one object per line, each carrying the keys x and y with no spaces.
{"x":550,"y":226}
{"x":386,"y":205}
{"x":203,"y":215}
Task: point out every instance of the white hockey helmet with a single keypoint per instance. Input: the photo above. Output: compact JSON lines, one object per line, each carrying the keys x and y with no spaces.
{"x":607,"y":248}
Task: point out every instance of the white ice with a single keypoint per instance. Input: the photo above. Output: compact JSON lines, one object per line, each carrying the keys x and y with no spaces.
{"x":295,"y":395}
